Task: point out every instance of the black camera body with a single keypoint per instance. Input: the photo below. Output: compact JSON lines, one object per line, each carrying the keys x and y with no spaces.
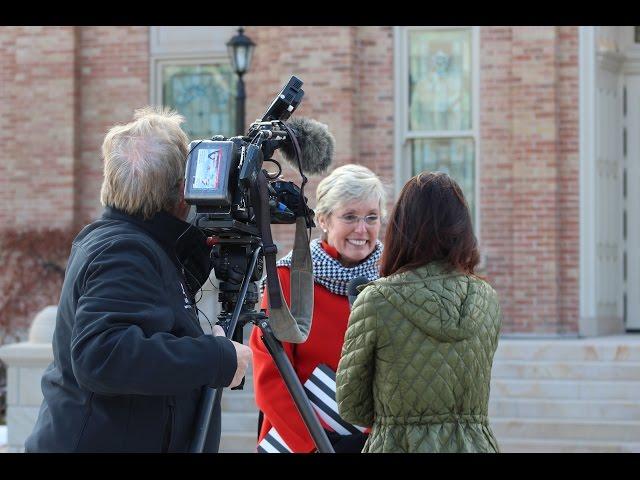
{"x":236,"y":201}
{"x":221,"y":173}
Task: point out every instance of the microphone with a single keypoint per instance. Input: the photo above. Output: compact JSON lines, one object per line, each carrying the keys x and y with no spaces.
{"x":316,"y":145}
{"x":352,"y":291}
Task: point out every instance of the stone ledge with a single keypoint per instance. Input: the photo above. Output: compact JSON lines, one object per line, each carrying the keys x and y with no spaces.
{"x":26,"y":354}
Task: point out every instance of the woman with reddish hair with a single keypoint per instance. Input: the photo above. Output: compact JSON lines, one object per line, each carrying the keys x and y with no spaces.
{"x":417,"y":356}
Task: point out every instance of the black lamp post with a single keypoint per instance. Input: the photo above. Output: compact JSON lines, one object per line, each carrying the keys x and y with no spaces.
{"x":240,"y":49}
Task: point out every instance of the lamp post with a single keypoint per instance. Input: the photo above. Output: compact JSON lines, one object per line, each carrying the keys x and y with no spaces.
{"x":240,"y":49}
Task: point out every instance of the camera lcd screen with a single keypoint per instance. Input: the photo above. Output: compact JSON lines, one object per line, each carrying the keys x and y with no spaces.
{"x":207,"y":173}
{"x":207,"y":176}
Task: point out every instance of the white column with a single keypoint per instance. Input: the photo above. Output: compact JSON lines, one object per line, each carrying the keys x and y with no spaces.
{"x":600,"y":189}
{"x":25,"y":363}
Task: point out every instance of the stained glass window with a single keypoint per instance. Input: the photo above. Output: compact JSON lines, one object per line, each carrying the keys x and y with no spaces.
{"x":204,"y":95}
{"x":454,"y":156}
{"x":440,"y":80}
{"x":440,"y":123}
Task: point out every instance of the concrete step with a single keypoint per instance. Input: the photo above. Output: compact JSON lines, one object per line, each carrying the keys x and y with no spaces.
{"x":563,"y":408}
{"x":562,"y":429}
{"x":519,"y":445}
{"x":238,"y":401}
{"x":575,"y":370}
{"x":614,"y":349}
{"x":238,"y":442}
{"x":567,"y":389}
{"x":240,"y":422}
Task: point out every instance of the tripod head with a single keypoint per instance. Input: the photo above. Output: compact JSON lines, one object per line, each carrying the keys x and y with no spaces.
{"x":231,"y":258}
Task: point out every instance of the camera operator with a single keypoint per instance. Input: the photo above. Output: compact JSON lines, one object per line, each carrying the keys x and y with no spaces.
{"x":350,"y":204}
{"x":130,"y":357}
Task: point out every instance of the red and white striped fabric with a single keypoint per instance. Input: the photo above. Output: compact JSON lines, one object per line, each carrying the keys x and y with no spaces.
{"x":321,"y":391}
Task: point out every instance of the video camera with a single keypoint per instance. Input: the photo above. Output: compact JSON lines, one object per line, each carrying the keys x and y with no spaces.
{"x":236,"y":202}
{"x":221,"y":173}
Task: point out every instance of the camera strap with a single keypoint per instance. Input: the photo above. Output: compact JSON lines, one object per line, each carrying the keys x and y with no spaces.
{"x":288,"y":325}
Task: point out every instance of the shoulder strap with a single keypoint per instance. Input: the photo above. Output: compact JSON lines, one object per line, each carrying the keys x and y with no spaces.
{"x":288,"y":325}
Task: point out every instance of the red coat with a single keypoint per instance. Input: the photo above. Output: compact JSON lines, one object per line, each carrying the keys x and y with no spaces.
{"x":323,"y":345}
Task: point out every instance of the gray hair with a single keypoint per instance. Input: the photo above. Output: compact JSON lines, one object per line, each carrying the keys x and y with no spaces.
{"x":346,"y":184}
{"x":144,"y":162}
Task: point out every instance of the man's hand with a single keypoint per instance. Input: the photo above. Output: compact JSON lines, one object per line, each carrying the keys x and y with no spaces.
{"x":243,"y":353}
{"x":218,"y":331}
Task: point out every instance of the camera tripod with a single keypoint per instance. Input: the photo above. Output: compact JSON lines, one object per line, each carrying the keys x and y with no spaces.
{"x":238,"y":295}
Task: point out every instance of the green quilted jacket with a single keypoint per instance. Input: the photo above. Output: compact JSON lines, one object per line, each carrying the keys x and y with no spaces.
{"x":416,"y":362}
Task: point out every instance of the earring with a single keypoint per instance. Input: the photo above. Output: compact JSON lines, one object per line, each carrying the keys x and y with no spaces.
{"x":324,"y":230}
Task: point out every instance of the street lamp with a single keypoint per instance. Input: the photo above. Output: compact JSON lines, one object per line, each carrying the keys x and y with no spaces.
{"x":240,"y":49}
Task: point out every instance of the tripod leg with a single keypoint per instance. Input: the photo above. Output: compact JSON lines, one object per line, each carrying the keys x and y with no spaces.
{"x":211,"y":398}
{"x":295,"y":388}
{"x":212,"y":444}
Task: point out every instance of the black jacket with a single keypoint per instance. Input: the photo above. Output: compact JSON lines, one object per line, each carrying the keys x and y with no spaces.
{"x":130,"y":357}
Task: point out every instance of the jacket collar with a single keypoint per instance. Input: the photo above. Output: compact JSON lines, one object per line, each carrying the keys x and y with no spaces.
{"x":438,"y":268}
{"x":184,"y":243}
{"x":163,"y":226}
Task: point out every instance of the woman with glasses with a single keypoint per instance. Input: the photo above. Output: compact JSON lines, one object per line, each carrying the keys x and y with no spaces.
{"x":350,"y":203}
{"x":417,"y":355}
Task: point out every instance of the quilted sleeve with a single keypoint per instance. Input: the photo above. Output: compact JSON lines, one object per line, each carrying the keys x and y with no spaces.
{"x":354,"y":377}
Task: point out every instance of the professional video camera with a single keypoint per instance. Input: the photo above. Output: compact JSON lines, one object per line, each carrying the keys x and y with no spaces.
{"x":221,"y":172}
{"x":236,"y":202}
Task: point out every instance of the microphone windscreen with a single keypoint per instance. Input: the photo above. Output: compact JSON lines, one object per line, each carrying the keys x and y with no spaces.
{"x":352,"y":287}
{"x":316,"y":145}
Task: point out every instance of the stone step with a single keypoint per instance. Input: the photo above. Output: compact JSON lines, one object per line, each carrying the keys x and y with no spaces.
{"x":556,"y":369}
{"x":614,"y":349}
{"x":238,"y":401}
{"x":562,"y":408}
{"x":519,"y":445}
{"x":238,"y":442}
{"x":567,"y":389}
{"x":563,"y":429}
{"x":240,"y":422}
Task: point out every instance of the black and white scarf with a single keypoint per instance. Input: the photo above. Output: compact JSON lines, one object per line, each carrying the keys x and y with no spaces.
{"x":331,"y":274}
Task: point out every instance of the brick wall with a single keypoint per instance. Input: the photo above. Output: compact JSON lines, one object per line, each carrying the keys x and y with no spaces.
{"x":569,"y":177}
{"x":61,"y":88}
{"x":529,"y":171}
{"x":114,"y":80}
{"x":37,"y":107}
{"x":496,"y":163}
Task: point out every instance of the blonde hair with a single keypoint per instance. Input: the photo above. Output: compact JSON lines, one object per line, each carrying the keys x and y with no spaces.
{"x":144,"y":162}
{"x":346,"y":184}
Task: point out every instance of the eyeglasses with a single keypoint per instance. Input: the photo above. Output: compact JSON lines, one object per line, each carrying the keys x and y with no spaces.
{"x":351,"y":219}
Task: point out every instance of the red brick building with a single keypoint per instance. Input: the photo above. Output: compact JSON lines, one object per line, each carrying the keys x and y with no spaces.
{"x":530,"y":120}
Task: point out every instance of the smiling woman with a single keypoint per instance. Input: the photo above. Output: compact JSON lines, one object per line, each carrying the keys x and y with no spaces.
{"x":350,"y":205}
{"x":353,"y":230}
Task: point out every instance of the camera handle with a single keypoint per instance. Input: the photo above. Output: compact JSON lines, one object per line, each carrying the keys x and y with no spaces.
{"x":212,"y":397}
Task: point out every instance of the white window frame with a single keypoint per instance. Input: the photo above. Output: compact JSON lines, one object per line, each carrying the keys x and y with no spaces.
{"x":403,"y":168}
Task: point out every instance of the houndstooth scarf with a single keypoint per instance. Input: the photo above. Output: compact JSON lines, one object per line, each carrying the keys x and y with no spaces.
{"x":331,"y":274}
